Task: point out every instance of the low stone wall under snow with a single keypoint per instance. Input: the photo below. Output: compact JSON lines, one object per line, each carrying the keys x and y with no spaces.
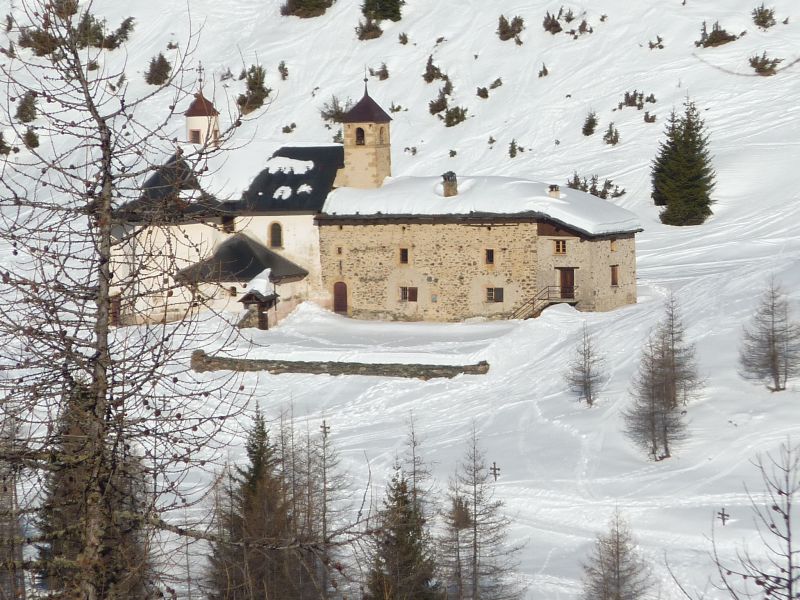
{"x":202,"y":362}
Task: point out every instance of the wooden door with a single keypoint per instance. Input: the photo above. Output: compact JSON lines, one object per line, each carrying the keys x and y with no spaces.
{"x":567,"y":282}
{"x":340,"y":297}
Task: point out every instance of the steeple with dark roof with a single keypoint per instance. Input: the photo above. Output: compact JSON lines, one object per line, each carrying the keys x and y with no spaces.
{"x":201,"y":107}
{"x":367,"y":145}
{"x":366,"y":110}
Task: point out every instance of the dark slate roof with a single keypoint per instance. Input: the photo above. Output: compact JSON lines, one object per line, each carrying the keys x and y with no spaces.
{"x":240,"y":258}
{"x":160,"y":200}
{"x":201,"y":107}
{"x":366,"y":110}
{"x":254,"y":296}
{"x":259,"y":197}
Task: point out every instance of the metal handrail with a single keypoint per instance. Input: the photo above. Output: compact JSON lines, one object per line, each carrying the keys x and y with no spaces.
{"x":543,"y":298}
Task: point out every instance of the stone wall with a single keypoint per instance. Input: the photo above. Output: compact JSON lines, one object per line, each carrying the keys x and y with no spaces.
{"x":446,"y":264}
{"x":202,"y":362}
{"x":367,"y":164}
{"x":592,"y":260}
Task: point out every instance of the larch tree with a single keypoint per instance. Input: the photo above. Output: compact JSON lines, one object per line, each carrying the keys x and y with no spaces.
{"x":770,"y":348}
{"x":666,"y":379}
{"x":682,"y":173}
{"x":59,"y":232}
{"x":586,"y":371}
{"x":680,"y":377}
{"x":653,"y":421}
{"x":477,"y":557}
{"x":615,"y":571}
{"x":402,"y":565}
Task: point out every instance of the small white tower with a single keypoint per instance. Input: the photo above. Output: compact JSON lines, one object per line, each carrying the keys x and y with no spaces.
{"x":202,"y":121}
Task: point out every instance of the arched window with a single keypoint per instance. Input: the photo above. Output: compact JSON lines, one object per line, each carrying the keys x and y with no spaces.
{"x":359,"y":136}
{"x":275,"y":236}
{"x":380,"y":136}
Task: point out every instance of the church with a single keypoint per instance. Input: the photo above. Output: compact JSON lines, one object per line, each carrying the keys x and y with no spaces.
{"x":330,"y":224}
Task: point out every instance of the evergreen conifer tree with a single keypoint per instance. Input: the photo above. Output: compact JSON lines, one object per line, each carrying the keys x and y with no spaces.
{"x":125,"y":571}
{"x":158,"y":71}
{"x":682,"y":175}
{"x":402,"y":563}
{"x":254,"y":526}
{"x":379,"y":10}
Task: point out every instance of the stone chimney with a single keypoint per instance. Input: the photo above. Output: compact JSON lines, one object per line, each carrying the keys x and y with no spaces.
{"x":450,"y":184}
{"x":554,"y":191}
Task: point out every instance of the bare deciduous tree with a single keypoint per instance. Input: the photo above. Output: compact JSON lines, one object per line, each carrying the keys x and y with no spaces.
{"x":59,"y":230}
{"x":652,"y":422}
{"x":615,"y":571}
{"x":586,"y":371}
{"x":667,"y":376}
{"x":770,"y":350}
{"x":478,"y":560}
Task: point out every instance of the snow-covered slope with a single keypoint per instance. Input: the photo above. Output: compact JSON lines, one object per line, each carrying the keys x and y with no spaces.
{"x":564,"y":467}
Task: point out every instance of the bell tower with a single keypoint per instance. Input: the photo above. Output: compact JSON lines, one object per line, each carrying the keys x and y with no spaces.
{"x":202,"y":121}
{"x":367,"y":145}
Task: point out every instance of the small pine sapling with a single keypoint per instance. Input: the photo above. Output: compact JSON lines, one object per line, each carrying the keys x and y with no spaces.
{"x":551,"y":24}
{"x":765,"y":65}
{"x":439,"y":104}
{"x":543,"y":72}
{"x":158,"y":71}
{"x":717,"y":37}
{"x":5,"y":149}
{"x":283,"y":70}
{"x":648,"y":118}
{"x":403,"y":38}
{"x":256,"y":92}
{"x":590,"y":124}
{"x":496,"y":84}
{"x":368,"y":29}
{"x":454,"y":116}
{"x":513,"y":149}
{"x":453,"y":153}
{"x":763,"y":17}
{"x":659,"y":43}
{"x":334,"y":110}
{"x":30,"y":138}
{"x":482,"y":92}
{"x":26,"y":109}
{"x":507,"y":30}
{"x":611,"y":135}
{"x":431,"y":71}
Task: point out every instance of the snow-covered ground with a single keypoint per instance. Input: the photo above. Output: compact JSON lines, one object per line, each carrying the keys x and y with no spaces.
{"x":565,"y":467}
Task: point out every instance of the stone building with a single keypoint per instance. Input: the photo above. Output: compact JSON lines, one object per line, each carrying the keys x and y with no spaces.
{"x":421,"y":249}
{"x":328,"y":223}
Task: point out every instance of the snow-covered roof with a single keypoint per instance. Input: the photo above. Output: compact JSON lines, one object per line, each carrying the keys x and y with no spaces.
{"x":484,"y":196}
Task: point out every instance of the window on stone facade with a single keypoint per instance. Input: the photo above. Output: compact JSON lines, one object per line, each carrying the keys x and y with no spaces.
{"x":560,"y":246}
{"x":194,"y":136}
{"x":403,"y":256}
{"x":359,"y":136}
{"x":489,"y":256}
{"x":408,"y":294}
{"x":614,"y":275}
{"x":275,"y":236}
{"x":338,"y":249}
{"x":380,"y":136}
{"x":494,"y":294}
{"x":613,"y":245}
